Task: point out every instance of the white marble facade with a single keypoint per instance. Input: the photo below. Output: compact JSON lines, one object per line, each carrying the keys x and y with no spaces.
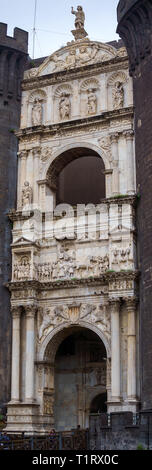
{"x":63,"y":280}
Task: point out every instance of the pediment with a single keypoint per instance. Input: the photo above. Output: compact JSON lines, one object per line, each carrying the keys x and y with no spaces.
{"x":77,"y":54}
{"x":22,"y":242}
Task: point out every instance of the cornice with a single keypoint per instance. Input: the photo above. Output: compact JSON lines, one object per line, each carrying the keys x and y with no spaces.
{"x":73,"y":283}
{"x":15,"y":215}
{"x":111,"y":65}
{"x":120,"y":200}
{"x":77,"y":124}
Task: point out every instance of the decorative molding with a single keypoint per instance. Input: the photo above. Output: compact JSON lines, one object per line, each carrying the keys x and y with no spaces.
{"x":94,"y":281}
{"x":73,"y":314}
{"x":77,"y":125}
{"x":71,"y":74}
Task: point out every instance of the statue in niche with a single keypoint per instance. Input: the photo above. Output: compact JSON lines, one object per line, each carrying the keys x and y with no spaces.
{"x":64,"y":106}
{"x":37,"y":112}
{"x":27,"y":194}
{"x":92,"y":101}
{"x":79,"y":17}
{"x":118,"y":95}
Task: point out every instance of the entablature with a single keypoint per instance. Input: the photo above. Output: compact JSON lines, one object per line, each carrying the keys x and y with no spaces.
{"x":62,"y":128}
{"x":78,"y":73}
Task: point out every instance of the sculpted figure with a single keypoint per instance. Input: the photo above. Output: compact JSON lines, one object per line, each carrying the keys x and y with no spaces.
{"x":67,"y":63}
{"x":26,"y":194}
{"x":92,"y":102}
{"x":70,"y":59}
{"x":22,"y":270}
{"x":64,"y":107}
{"x":37,"y":112}
{"x":79,"y":17}
{"x":15,"y":272}
{"x":118,"y":95}
{"x":85,"y":55}
{"x":47,"y":321}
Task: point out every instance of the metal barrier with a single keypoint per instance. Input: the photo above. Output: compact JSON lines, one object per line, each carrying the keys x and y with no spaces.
{"x":66,"y":440}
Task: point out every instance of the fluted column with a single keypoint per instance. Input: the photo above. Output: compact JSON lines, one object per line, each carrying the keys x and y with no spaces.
{"x":129,"y":135}
{"x":30,"y":353}
{"x":115,"y":349}
{"x":115,"y":163}
{"x":131,"y":372}
{"x":15,"y":381}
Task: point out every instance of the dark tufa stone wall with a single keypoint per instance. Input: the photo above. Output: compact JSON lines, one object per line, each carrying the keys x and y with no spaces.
{"x":13,"y":56}
{"x":120,"y":431}
{"x":135,"y":28}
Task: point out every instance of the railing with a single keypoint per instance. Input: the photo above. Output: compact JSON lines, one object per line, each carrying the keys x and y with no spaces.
{"x":66,"y":440}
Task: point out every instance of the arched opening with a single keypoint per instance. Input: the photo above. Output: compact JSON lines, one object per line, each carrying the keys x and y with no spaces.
{"x":98,"y":404}
{"x":79,"y":375}
{"x":82,"y":181}
{"x":77,"y":176}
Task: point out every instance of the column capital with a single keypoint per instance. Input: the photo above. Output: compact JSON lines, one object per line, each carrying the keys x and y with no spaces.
{"x":114,"y":302}
{"x":131,"y":302}
{"x":16,"y":311}
{"x":114,"y":137}
{"x":36,"y":151}
{"x":23,"y":154}
{"x":30,"y":310}
{"x":129,"y":134}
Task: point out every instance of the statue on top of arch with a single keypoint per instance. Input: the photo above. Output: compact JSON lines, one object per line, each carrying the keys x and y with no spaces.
{"x":79,"y":31}
{"x":80,"y":17}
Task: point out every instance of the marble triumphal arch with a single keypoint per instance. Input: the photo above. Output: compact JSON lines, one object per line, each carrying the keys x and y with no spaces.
{"x":73,"y":290}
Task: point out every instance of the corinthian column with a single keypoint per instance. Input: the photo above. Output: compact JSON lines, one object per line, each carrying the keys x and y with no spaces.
{"x":15,"y":381}
{"x":131,"y":373}
{"x":30,"y":352}
{"x":115,"y":349}
{"x":115,"y":164}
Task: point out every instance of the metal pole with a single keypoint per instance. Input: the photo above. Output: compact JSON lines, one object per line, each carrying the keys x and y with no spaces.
{"x":34,"y":30}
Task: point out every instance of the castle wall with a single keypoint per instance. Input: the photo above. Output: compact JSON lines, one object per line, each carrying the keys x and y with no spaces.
{"x":138,"y":40}
{"x":13,"y":53}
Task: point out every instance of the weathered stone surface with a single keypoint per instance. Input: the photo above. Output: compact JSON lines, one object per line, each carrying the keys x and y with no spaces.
{"x":13,"y":53}
{"x":139,"y":50}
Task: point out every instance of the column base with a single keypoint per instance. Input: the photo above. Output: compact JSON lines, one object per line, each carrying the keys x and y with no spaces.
{"x":123,"y":406}
{"x":26,"y":418}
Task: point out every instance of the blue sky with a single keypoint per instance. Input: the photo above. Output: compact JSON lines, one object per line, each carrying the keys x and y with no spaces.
{"x":54,"y":21}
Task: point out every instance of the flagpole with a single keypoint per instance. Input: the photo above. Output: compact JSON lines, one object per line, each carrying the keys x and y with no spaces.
{"x":34,"y":30}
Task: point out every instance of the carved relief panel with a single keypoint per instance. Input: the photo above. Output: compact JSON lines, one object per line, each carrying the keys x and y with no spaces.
{"x":50,"y":317}
{"x":21,"y":267}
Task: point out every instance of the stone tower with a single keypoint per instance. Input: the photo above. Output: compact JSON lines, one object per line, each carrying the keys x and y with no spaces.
{"x":13,"y":55}
{"x":135,"y":28}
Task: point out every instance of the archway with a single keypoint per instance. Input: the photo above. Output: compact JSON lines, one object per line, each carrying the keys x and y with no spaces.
{"x":82,"y":181}
{"x":98,"y":404}
{"x":80,"y":371}
{"x":77,"y":176}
